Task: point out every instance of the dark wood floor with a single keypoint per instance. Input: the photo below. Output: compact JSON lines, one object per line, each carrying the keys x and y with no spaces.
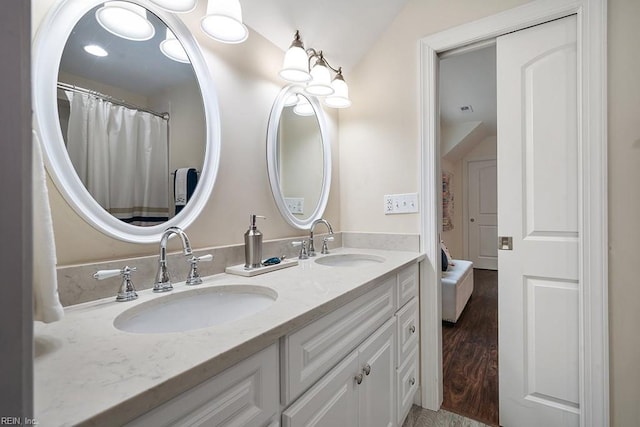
{"x":470,"y":354}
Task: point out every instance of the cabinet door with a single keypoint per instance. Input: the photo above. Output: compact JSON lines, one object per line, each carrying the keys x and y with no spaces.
{"x":244,"y":395}
{"x":378,"y":367}
{"x":331,"y":402}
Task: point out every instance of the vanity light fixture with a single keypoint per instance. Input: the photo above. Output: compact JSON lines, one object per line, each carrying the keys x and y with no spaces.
{"x":126,"y":20}
{"x":176,"y":6}
{"x":172,"y":48}
{"x":95,"y":50}
{"x":297,"y":68}
{"x":223,"y":21}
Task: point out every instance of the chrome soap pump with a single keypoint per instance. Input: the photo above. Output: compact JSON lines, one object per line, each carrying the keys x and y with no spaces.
{"x":253,"y":244}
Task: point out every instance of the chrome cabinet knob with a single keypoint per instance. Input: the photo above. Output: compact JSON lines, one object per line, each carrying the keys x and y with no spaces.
{"x":366,"y":369}
{"x":412,"y":381}
{"x":359,"y":378}
{"x":412,"y":329}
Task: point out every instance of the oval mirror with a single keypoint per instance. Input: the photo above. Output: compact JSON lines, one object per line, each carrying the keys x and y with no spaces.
{"x":129,"y":124}
{"x":298,"y":157}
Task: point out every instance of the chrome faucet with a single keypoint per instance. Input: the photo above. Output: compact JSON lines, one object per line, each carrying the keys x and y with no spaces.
{"x":312,"y":249}
{"x":163,"y":281}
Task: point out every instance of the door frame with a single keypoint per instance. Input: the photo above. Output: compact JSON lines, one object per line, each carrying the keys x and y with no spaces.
{"x":592,"y":115}
{"x":465,"y":199}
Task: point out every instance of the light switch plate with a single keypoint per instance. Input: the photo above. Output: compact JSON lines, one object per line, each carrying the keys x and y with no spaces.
{"x":400,"y":203}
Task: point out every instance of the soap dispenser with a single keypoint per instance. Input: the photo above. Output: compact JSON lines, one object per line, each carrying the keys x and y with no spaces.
{"x":253,"y":244}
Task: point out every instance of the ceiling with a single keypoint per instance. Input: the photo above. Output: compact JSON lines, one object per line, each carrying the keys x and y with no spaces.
{"x":469,"y":79}
{"x":343,"y":29}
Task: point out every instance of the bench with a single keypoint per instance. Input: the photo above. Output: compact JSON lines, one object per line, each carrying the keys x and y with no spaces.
{"x":457,"y":286}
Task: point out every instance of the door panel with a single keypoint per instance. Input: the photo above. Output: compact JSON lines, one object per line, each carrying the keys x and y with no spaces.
{"x":483,"y":214}
{"x":538,"y":207}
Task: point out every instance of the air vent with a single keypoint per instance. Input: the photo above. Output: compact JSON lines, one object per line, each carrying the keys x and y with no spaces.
{"x":466,"y":109}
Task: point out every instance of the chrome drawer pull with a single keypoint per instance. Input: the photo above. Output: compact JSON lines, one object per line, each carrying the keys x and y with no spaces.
{"x":366,"y":369}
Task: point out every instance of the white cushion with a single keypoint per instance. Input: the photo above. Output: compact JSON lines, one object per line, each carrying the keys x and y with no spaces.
{"x":457,"y":286}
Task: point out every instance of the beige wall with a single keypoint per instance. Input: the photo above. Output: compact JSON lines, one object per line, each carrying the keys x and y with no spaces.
{"x":624,"y":210}
{"x":246,"y":78}
{"x":379,"y":134}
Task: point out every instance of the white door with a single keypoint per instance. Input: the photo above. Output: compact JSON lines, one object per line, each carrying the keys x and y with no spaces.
{"x":482,"y":196}
{"x":538,"y":208}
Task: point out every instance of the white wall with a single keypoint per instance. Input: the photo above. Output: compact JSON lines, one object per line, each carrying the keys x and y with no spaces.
{"x":247,"y":82}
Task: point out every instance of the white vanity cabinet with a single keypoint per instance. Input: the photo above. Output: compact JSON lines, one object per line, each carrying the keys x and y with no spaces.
{"x":244,"y":395}
{"x":350,"y":362}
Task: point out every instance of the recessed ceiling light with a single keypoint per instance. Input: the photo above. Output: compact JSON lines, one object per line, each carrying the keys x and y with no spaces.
{"x":96,"y":50}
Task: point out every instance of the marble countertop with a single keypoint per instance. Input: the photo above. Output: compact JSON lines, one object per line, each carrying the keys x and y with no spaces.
{"x":87,"y":372}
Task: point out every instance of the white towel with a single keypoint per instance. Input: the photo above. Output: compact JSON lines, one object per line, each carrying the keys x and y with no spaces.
{"x":46,"y":302}
{"x":181,"y":186}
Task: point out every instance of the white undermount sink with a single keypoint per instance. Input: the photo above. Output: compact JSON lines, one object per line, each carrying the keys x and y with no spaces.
{"x":195,"y":309}
{"x":349,"y":260}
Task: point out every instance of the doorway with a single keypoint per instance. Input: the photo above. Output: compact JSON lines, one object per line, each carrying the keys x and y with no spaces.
{"x":593,"y":373}
{"x":468,"y":148}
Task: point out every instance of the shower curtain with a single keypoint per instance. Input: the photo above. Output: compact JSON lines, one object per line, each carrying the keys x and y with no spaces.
{"x":121,"y":156}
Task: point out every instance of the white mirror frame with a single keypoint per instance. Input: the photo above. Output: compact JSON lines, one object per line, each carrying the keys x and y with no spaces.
{"x":272,"y":158}
{"x":48,"y":46}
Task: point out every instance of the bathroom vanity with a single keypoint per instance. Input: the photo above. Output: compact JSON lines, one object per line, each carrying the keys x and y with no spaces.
{"x":338,"y":346}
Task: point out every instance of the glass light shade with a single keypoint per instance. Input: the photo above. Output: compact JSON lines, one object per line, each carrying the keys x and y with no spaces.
{"x":340,"y":97}
{"x":320,"y":84}
{"x":173,"y":49}
{"x":295,"y":65}
{"x":95,"y":50}
{"x":291,"y":100}
{"x":126,"y":20}
{"x":303,"y":107}
{"x":177,"y":6}
{"x":223,"y":21}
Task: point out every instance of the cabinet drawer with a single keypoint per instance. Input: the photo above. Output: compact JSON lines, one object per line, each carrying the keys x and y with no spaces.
{"x":408,"y":330}
{"x":313,"y":350}
{"x":407,"y":284}
{"x":244,"y":395}
{"x":407,"y":384}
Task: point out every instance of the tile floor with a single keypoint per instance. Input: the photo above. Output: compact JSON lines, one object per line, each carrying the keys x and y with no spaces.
{"x":420,"y":417}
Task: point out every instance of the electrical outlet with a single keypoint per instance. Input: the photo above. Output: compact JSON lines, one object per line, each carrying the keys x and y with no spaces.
{"x":400,"y":203}
{"x":295,"y":205}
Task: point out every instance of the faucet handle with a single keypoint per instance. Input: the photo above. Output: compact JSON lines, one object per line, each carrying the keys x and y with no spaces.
{"x":303,"y":249}
{"x":194,"y":276}
{"x":325,"y":248}
{"x":127,"y":291}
